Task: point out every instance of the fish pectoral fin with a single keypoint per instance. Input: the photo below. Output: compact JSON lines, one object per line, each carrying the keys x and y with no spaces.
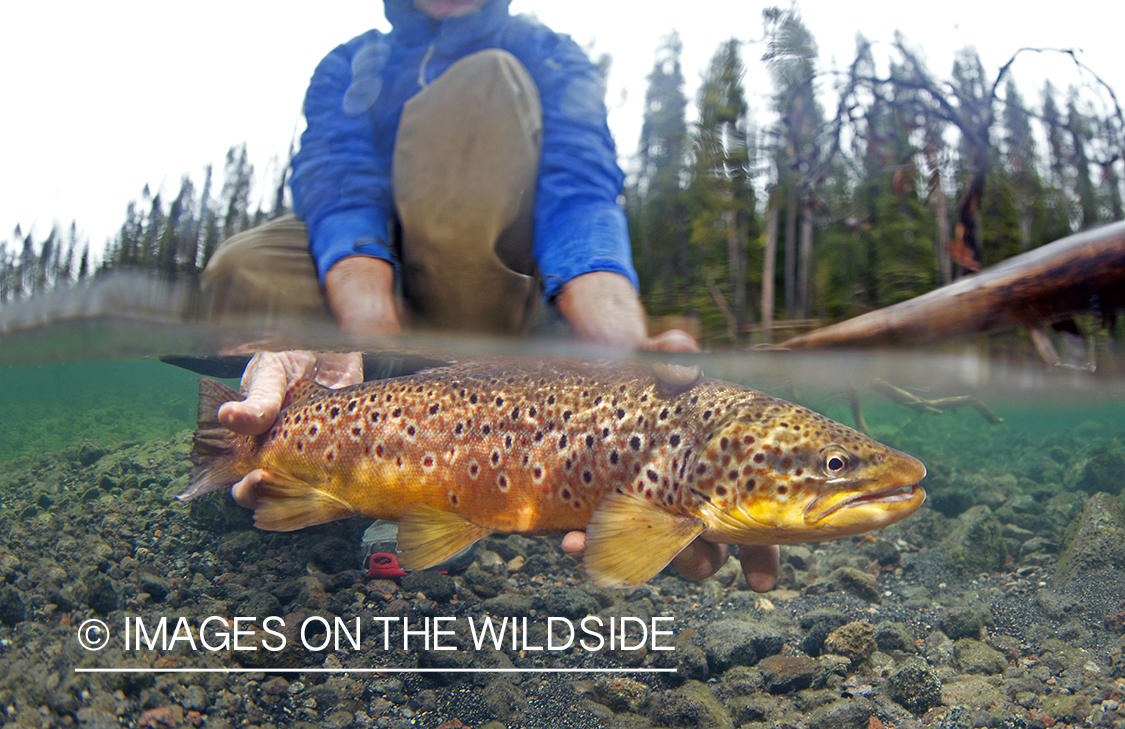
{"x":429,"y":536}
{"x":629,"y":540}
{"x":286,"y":503}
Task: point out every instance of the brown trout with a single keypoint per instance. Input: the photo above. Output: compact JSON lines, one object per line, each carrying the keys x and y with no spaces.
{"x":642,"y":461}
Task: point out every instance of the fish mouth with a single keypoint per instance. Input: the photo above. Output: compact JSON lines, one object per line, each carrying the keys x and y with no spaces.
{"x":893,"y":498}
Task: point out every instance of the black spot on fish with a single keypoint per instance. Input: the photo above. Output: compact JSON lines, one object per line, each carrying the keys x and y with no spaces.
{"x":334,"y":412}
{"x":706,"y":414}
{"x":473,"y":398}
{"x":434,"y":409}
{"x":551,"y":400}
{"x":499,"y":402}
{"x":664,"y":414}
{"x":562,"y":441}
{"x":635,"y":442}
{"x":410,"y":431}
{"x":701,"y":469}
{"x":651,"y":475}
{"x":759,"y":457}
{"x":396,"y":412}
{"x":428,"y":462}
{"x":732,"y":475}
{"x":724,"y":443}
{"x":589,"y":441}
{"x":748,"y":439}
{"x":566,"y":494}
{"x":750,"y":484}
{"x":538,"y":435}
{"x":605,"y":432}
{"x":620,"y":414}
{"x":674,"y":440}
{"x":379,"y":450}
{"x":720,"y":491}
{"x":532,"y":411}
{"x":566,"y":415}
{"x":459,"y":429}
{"x":613,"y":458}
{"x":313,"y":430}
{"x":486,"y":429}
{"x":538,"y":473}
{"x":597,"y":400}
{"x":587,"y":476}
{"x":300,"y":446}
{"x":474,"y":469}
{"x":515,"y":413}
{"x":782,"y":490}
{"x":357,"y":431}
{"x":296,"y":419}
{"x":508,"y":441}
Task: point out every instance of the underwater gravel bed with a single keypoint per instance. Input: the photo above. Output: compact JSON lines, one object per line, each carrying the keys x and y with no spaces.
{"x":996,"y":609}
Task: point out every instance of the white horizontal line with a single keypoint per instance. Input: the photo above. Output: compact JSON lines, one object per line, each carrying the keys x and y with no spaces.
{"x":375,"y":670}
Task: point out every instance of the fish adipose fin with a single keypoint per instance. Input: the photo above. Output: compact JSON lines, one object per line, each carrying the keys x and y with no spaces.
{"x":212,"y":444}
{"x":286,"y":503}
{"x":428,"y":536}
{"x":629,"y":540}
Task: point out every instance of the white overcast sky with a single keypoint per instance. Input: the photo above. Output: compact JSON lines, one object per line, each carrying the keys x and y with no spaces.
{"x":101,"y":98}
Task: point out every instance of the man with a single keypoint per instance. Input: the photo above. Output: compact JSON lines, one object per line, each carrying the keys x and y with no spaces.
{"x":465,"y":160}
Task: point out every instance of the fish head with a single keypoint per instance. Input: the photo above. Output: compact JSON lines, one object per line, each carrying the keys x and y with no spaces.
{"x":776,"y":473}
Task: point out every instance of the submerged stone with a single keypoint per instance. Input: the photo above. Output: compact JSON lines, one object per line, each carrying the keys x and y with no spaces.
{"x":1094,"y":540}
{"x":915,"y":686}
{"x":975,"y":544}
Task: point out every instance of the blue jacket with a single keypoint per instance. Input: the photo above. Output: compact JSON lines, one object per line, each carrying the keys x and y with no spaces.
{"x":341,"y":178}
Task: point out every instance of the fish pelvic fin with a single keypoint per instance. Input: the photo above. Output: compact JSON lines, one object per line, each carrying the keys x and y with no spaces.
{"x":287,"y":503}
{"x":629,"y":540}
{"x":429,"y":536}
{"x":212,"y":445}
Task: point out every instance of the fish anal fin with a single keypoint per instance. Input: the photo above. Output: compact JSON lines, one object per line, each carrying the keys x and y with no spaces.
{"x":629,"y":540}
{"x":287,"y":503}
{"x":429,"y":536}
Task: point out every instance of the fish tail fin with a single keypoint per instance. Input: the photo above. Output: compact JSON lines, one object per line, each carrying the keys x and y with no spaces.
{"x":212,"y":444}
{"x":287,"y":503}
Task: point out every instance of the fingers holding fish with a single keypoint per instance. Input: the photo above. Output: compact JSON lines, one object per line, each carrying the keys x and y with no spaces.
{"x":701,"y":559}
{"x":270,"y":374}
{"x":243,"y":491}
{"x":760,"y":564}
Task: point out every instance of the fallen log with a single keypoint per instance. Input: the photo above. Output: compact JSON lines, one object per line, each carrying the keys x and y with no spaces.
{"x":1081,"y":272}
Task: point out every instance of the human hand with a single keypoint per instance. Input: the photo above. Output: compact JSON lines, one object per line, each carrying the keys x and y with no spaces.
{"x":701,"y":559}
{"x":264,"y":382}
{"x":360,"y":292}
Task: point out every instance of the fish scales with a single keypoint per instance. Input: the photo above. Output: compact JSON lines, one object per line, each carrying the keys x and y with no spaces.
{"x":548,"y":446}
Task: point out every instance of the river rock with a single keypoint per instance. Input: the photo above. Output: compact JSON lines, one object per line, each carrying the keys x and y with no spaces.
{"x":975,"y":543}
{"x":915,"y":686}
{"x":1094,"y":540}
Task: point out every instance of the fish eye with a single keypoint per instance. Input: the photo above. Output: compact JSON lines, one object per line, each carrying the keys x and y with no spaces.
{"x":835,"y":462}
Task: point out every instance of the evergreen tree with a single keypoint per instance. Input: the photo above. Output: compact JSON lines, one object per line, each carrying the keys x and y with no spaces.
{"x":721,"y":198}
{"x":663,"y":259}
{"x":790,"y":57}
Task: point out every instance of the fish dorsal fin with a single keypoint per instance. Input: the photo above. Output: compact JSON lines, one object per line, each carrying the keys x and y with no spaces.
{"x":287,"y":503}
{"x":674,"y":379}
{"x":429,"y":536}
{"x":302,"y":389}
{"x":629,"y":539}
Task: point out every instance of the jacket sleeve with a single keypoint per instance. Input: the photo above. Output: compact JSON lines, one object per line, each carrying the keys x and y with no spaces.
{"x":579,"y":225}
{"x":341,"y":178}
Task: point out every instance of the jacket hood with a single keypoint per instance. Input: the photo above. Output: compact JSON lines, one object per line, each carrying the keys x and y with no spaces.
{"x":413,"y":27}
